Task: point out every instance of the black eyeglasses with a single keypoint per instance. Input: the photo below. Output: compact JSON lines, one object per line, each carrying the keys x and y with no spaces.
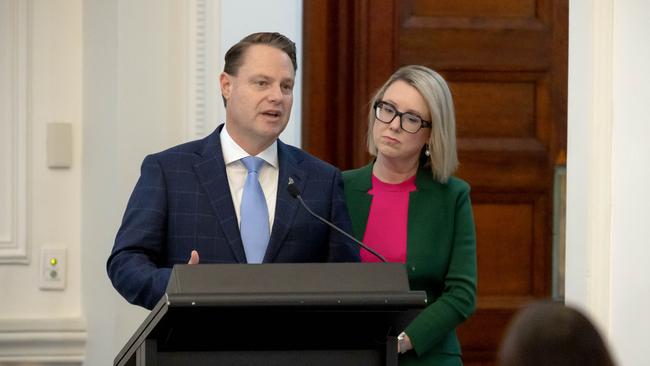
{"x":409,"y":122}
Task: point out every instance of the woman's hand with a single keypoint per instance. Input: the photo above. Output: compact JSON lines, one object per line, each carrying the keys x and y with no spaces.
{"x":403,"y":343}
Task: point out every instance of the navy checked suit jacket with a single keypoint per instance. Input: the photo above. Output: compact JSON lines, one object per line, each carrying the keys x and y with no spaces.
{"x":182,"y":202}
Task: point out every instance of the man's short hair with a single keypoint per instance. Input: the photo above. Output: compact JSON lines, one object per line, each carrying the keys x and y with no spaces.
{"x":234,"y":56}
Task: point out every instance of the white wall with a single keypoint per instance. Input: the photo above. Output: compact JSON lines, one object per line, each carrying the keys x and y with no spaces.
{"x":132,"y":107}
{"x":53,"y":94}
{"x":630,"y":274}
{"x":589,"y":157}
{"x":608,"y":171}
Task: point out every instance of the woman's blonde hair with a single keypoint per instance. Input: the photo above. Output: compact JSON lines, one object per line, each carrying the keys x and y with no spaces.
{"x":443,"y":158}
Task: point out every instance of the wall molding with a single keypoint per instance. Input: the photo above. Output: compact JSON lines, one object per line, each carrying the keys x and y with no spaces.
{"x":61,"y":340}
{"x":202,"y":61}
{"x":13,"y":125}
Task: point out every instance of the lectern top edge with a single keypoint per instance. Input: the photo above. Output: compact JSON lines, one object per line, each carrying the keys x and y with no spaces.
{"x":294,"y":278}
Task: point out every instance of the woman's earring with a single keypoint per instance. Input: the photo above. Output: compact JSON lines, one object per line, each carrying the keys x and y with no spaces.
{"x":426,"y":151}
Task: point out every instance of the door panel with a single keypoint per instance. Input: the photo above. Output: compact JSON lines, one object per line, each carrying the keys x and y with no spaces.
{"x":506,"y":64}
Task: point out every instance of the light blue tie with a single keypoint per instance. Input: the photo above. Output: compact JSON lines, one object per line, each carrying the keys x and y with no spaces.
{"x":254,"y":213}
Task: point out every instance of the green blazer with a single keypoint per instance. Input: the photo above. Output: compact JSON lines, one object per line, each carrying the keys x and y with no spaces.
{"x":440,"y":256}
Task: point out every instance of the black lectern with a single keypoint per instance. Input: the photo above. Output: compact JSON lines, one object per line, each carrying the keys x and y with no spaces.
{"x":276,"y":314}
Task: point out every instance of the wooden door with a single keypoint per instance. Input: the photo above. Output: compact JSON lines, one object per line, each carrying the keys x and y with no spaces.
{"x":506,"y":64}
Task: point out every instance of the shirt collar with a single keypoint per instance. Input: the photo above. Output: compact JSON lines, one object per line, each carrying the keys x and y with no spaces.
{"x":232,"y":152}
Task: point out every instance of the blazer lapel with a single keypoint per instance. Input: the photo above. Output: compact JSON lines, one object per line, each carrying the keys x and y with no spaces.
{"x":423,"y":204}
{"x":286,"y":206}
{"x":211,"y":172}
{"x":359,"y":203}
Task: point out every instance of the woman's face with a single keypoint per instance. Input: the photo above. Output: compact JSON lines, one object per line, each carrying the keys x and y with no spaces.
{"x":392,"y":141}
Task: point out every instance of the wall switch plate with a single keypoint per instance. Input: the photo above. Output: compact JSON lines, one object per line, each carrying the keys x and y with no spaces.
{"x":52,"y":269}
{"x":59,"y":145}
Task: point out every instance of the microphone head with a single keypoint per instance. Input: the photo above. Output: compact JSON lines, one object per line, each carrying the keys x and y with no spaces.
{"x":293,"y":189}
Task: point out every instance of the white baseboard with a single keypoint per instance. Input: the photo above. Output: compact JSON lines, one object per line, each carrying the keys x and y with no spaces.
{"x":43,"y":341}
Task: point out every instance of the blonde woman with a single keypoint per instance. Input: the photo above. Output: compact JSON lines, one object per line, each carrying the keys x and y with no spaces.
{"x":407,"y":206}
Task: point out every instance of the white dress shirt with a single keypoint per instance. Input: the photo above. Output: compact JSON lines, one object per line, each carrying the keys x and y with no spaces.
{"x":237,"y":172}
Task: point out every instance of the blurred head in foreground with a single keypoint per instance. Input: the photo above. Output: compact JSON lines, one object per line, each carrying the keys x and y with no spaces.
{"x":552,"y":334}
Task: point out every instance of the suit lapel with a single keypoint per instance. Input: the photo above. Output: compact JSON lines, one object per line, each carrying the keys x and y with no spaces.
{"x":211,"y":172}
{"x":285,"y":206}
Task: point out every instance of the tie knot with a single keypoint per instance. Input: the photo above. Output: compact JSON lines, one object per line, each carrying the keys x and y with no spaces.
{"x":252,"y":163}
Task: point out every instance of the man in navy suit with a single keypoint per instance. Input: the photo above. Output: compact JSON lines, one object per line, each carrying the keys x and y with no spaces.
{"x":185,"y":208}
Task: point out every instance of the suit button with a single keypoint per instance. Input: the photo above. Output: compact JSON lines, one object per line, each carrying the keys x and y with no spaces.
{"x":412,"y":268}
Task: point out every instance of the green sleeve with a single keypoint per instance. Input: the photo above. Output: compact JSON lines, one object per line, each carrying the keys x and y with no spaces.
{"x":458,"y":299}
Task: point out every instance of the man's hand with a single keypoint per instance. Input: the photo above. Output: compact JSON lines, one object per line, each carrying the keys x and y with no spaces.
{"x":194,"y":258}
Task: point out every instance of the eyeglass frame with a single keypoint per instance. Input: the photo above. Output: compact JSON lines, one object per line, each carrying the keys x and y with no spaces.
{"x":423,"y":123}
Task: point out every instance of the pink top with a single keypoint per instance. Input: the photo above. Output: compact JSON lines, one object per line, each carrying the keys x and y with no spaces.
{"x":387,"y":220}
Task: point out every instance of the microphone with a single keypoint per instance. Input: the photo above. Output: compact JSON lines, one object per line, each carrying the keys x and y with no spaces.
{"x":295,"y":193}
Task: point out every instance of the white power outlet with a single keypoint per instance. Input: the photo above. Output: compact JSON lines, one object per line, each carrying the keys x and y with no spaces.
{"x":52,"y":269}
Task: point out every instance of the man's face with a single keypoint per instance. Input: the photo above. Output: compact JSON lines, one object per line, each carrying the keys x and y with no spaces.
{"x":259,"y":97}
